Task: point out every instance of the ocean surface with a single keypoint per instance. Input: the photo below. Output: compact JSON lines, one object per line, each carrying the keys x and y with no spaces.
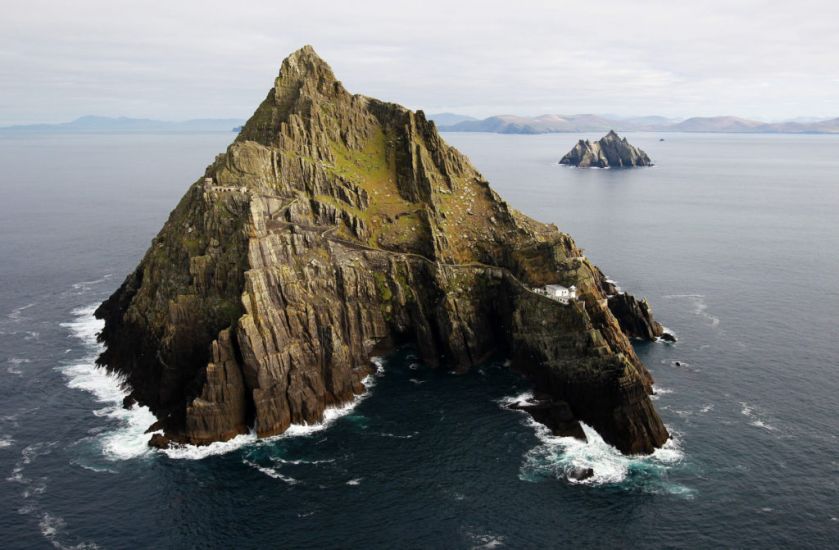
{"x":734,"y":239}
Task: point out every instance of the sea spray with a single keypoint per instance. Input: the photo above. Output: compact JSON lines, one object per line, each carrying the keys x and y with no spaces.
{"x":129,"y":438}
{"x":558,"y":457}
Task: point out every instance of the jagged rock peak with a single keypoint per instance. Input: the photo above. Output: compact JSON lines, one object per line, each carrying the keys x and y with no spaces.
{"x":306,"y":64}
{"x":609,"y":151}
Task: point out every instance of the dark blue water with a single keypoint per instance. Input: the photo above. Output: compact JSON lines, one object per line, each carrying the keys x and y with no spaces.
{"x":732,"y":238}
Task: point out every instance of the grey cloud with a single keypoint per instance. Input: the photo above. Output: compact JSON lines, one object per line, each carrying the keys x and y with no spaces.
{"x":177,"y":60}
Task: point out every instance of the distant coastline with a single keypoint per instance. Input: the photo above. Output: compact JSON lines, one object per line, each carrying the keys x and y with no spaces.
{"x":452,"y":122}
{"x":108,"y":125}
{"x":549,"y":124}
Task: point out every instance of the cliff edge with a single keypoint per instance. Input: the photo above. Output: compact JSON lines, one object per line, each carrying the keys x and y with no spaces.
{"x":334,"y":227}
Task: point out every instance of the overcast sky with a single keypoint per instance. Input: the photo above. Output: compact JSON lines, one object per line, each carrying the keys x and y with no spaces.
{"x":180,"y":59}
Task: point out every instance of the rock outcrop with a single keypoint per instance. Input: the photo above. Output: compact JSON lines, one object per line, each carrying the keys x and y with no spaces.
{"x":333,"y":228}
{"x":610,"y":151}
{"x":634,"y":316}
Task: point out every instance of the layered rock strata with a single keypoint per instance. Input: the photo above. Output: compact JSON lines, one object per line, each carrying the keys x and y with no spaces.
{"x":333,"y":228}
{"x":610,"y":151}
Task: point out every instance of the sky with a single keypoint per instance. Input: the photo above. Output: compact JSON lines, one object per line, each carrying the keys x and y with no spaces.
{"x":181,"y":59}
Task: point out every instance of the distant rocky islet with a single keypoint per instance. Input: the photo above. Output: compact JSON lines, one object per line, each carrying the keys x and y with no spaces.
{"x":610,"y":151}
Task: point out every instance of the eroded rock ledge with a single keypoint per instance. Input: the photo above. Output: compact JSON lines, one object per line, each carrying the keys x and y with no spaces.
{"x":334,"y":227}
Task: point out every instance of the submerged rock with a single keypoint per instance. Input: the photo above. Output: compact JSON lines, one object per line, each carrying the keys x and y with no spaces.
{"x":159,"y":441}
{"x":332,"y":228}
{"x":609,"y":151}
{"x":578,"y":473}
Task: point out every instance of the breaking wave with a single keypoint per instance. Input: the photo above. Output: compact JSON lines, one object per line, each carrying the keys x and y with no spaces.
{"x":330,"y":415}
{"x":562,"y":457}
{"x":129,"y":439}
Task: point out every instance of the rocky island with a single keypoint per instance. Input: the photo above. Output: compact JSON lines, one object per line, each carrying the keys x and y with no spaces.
{"x":610,"y":151}
{"x":334,"y":228}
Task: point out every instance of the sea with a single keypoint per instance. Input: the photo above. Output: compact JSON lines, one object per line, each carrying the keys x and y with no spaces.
{"x":733,"y":239}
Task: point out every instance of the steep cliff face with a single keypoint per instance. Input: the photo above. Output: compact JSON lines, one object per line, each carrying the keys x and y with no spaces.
{"x":334,"y":227}
{"x":634,"y":316}
{"x":609,"y":151}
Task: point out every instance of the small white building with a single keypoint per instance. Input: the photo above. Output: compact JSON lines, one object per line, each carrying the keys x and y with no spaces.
{"x":558,"y":292}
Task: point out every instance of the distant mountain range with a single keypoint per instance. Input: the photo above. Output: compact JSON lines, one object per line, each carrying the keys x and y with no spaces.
{"x":452,"y":122}
{"x":544,"y":124}
{"x":450,"y":119}
{"x":105,"y":125}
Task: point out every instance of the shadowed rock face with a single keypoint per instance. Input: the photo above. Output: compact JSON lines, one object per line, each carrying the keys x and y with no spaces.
{"x":609,"y":151}
{"x":634,"y":316}
{"x":334,"y":227}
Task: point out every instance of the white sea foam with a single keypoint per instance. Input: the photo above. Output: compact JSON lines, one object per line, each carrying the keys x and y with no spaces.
{"x":128,"y":439}
{"x":757,"y":418}
{"x":485,"y":540}
{"x":671,"y":332}
{"x":615,"y":284}
{"x":397,"y":436}
{"x":51,"y":527}
{"x":83,"y":287}
{"x":519,"y":399}
{"x":271,"y":472}
{"x":301,"y":461}
{"x":415,"y":381}
{"x":557,"y":457}
{"x":330,"y":415}
{"x":659,"y":391}
{"x":379,"y":362}
{"x":199,"y":452}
